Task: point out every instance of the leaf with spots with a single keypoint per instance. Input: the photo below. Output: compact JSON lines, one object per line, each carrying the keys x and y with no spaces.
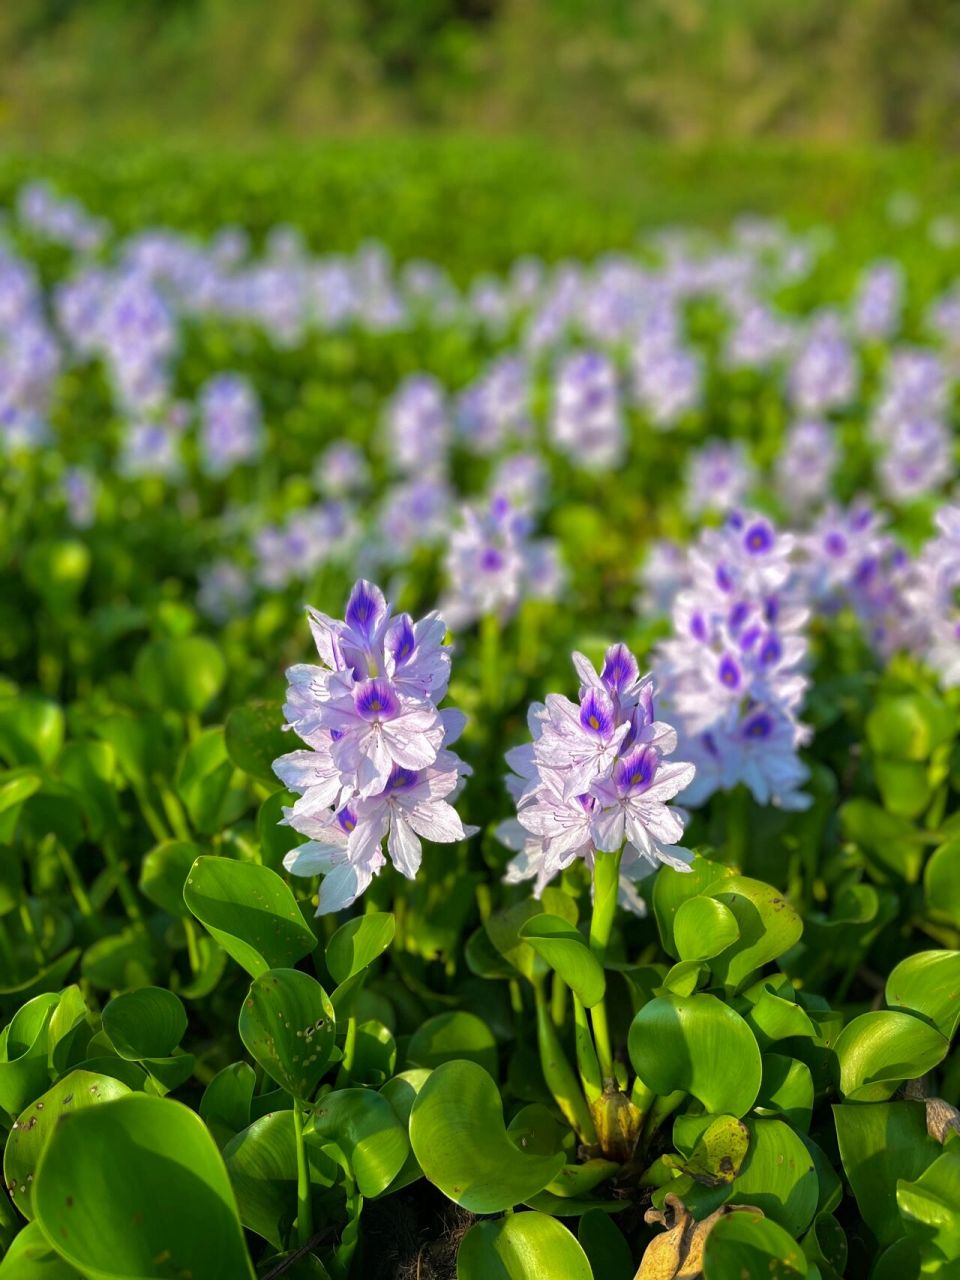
{"x":288,"y":1025}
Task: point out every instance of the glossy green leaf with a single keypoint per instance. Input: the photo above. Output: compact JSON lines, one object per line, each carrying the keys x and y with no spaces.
{"x":34,"y":1127}
{"x":160,"y":1204}
{"x":523,"y":1246}
{"x":568,"y":953}
{"x":703,"y":927}
{"x":163,"y":874}
{"x":786,"y":1090}
{"x":359,"y":942}
{"x":930,"y":1208}
{"x":714,"y":1149}
{"x":941,"y":883}
{"x":250,"y":911}
{"x":746,"y":1246}
{"x":458,"y":1136}
{"x":606,"y":1248}
{"x":147,"y":1023}
{"x":672,"y":889}
{"x":206,"y":783}
{"x":878,"y":1051}
{"x":767,"y":923}
{"x":225,"y":1105}
{"x":288,"y":1025}
{"x":928,"y":984}
{"x":31,"y":730}
{"x":30,"y":1257}
{"x":700,"y":1045}
{"x":23,"y":1053}
{"x":457,"y":1034}
{"x":400,"y":1092}
{"x":185,"y":673}
{"x":880,"y":1144}
{"x":364,"y":1126}
{"x":262,"y":1163}
{"x":255,"y":738}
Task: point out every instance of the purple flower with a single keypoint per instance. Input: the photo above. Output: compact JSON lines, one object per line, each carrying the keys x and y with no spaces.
{"x":596,"y":777}
{"x":719,"y":476}
{"x":378,"y":765}
{"x":824,"y":375}
{"x":231,"y":430}
{"x":587,"y":422}
{"x":418,"y":426}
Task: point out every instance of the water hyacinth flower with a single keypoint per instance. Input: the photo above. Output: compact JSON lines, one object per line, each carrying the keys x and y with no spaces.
{"x":496,"y":407}
{"x":587,"y":422}
{"x":418,"y":426}
{"x":377,"y":765}
{"x":231,"y":427}
{"x":731,"y":674}
{"x":596,"y":778}
{"x":805,"y":465}
{"x":224,"y":591}
{"x":918,"y":459}
{"x":934,"y":597}
{"x":342,"y":470}
{"x":879,"y":301}
{"x":492,"y":564}
{"x":719,"y":477}
{"x":824,"y":374}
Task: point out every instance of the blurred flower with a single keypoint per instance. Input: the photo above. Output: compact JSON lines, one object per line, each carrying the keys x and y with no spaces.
{"x":587,"y":423}
{"x":231,"y":430}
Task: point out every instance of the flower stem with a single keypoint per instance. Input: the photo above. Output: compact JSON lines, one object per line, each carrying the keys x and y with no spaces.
{"x":587,"y":1062}
{"x":304,"y":1207}
{"x":559,"y":1075}
{"x":606,"y":883}
{"x":490,"y":659}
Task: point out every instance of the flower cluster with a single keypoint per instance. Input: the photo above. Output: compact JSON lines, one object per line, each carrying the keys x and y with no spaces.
{"x":492,"y":564}
{"x":377,"y":765}
{"x":231,"y":430}
{"x":934,"y":595}
{"x":731,"y":673}
{"x":596,"y":778}
{"x":587,"y":422}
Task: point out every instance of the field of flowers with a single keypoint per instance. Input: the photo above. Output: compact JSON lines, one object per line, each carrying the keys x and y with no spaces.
{"x":479,"y":745}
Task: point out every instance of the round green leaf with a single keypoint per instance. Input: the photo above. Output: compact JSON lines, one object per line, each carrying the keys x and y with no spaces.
{"x":767,"y":924}
{"x":356,"y":944}
{"x":878,"y":1051}
{"x":250,"y":911}
{"x":364,"y":1126}
{"x":163,"y":874}
{"x":23,"y":1071}
{"x":745,"y":1246}
{"x":786,"y":1090}
{"x":288,"y":1025}
{"x":458,"y":1136}
{"x":567,"y":952}
{"x":928,"y":984}
{"x":703,"y":927}
{"x":225,"y":1105}
{"x":30,"y":1257}
{"x":185,"y":673}
{"x":457,"y":1034}
{"x":700,"y":1045}
{"x":34,"y":1127}
{"x":941,"y":883}
{"x":136,"y":1187}
{"x":147,"y":1023}
{"x":672,"y":889}
{"x":524,"y":1246}
{"x":255,"y":738}
{"x":262,"y":1163}
{"x":930,"y":1208}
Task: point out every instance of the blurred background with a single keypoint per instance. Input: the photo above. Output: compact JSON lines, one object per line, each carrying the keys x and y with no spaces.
{"x":589,"y":118}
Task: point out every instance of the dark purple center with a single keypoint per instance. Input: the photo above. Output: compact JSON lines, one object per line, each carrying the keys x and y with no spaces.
{"x":375,"y":700}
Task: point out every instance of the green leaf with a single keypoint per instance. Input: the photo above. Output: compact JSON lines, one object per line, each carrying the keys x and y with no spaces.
{"x":700,"y":1045}
{"x":891,"y":842}
{"x":30,"y":1257}
{"x":718,"y":1149}
{"x":375,"y":1054}
{"x":288,"y":1025}
{"x":250,"y":911}
{"x":877,"y":1051}
{"x":458,"y":1136}
{"x":147,"y":1023}
{"x":136,"y":1187}
{"x":941,"y":883}
{"x":746,"y":1246}
{"x":356,"y":944}
{"x":262,"y":1163}
{"x":786,"y":1090}
{"x":524,"y":1246}
{"x":672,"y":889}
{"x":567,"y":952}
{"x":225,"y":1105}
{"x":205,"y":775}
{"x":457,"y":1034}
{"x":400,"y":1092}
{"x":163,"y":874}
{"x":703,"y":927}
{"x":880,"y":1144}
{"x":930,"y":1207}
{"x":31,"y":730}
{"x":34,"y":1128}
{"x":23,"y":1068}
{"x":255,"y":738}
{"x":503,"y":929}
{"x":607,"y":1251}
{"x":768,"y":927}
{"x":928,"y":984}
{"x":908,"y":726}
{"x":364,"y":1126}
{"x":185,"y":673}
